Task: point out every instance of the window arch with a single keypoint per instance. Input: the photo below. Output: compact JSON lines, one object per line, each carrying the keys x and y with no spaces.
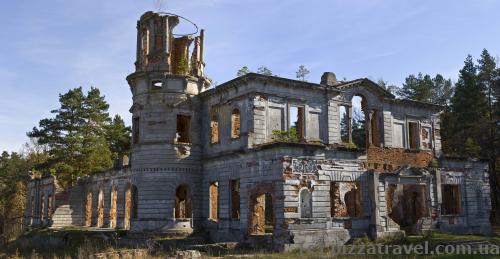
{"x":214,"y":129}
{"x":305,"y":203}
{"x":235,"y":123}
{"x":182,"y":202}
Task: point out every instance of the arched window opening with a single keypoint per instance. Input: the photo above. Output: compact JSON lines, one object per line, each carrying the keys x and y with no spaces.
{"x":88,"y":209}
{"x":113,"y":207}
{"x":145,"y":41}
{"x":235,"y":124}
{"x":305,"y":203}
{"x":214,"y":201}
{"x":214,"y":129}
{"x":182,"y":202}
{"x":100,"y":209}
{"x":131,"y":198}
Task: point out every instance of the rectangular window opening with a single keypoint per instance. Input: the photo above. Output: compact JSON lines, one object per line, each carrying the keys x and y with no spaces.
{"x":344,"y":124}
{"x":157,"y":84}
{"x":451,"y":199}
{"x":413,"y":135}
{"x":296,"y":126}
{"x":183,"y":129}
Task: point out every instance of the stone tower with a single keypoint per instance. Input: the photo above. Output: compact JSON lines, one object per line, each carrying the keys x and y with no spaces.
{"x":165,"y":145}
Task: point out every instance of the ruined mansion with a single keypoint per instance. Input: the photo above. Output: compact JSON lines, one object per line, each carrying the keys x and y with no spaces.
{"x":268,"y":158}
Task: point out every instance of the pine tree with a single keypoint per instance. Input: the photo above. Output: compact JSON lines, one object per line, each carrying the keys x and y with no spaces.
{"x":467,"y":117}
{"x":81,"y":136}
{"x":442,"y":90}
{"x":426,"y":89}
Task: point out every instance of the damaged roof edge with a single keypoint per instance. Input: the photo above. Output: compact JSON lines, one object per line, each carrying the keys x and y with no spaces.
{"x":254,"y":77}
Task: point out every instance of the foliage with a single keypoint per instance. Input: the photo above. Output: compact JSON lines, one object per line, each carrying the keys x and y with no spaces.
{"x":424,"y":88}
{"x":466,"y":118}
{"x":81,"y":139}
{"x":264,"y":71}
{"x":358,"y":129}
{"x":243,"y":71}
{"x":286,"y":136}
{"x":302,"y":73}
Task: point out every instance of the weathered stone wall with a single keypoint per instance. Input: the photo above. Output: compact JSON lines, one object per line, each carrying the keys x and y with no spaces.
{"x":388,"y":159}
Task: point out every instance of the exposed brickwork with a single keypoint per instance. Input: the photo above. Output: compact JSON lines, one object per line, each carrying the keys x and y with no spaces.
{"x":257,"y":207}
{"x":388,"y":159}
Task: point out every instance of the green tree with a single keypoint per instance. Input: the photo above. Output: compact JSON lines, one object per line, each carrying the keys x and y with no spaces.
{"x":393,"y":89}
{"x":426,"y":89}
{"x":302,"y":72}
{"x":118,"y":137}
{"x":466,"y":119}
{"x":358,"y":129}
{"x":264,"y":71}
{"x":81,"y":136}
{"x":243,"y":71}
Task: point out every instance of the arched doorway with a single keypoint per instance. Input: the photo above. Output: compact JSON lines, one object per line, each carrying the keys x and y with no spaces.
{"x":112,"y":207}
{"x":131,"y":198}
{"x":261,"y":219}
{"x":182,"y":202}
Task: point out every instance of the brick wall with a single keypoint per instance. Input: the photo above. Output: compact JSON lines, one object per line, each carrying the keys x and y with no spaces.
{"x":381,"y":159}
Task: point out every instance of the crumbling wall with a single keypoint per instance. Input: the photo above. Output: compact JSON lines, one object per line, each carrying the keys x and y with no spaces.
{"x":389,"y":159}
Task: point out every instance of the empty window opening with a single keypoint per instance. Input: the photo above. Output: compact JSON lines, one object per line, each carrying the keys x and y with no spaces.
{"x":113,"y":207}
{"x":296,"y":124}
{"x":145,"y":41}
{"x":235,"y":199}
{"x":426,"y":137}
{"x":345,"y":199}
{"x":131,"y":200}
{"x":398,"y":135}
{"x":358,"y":121}
{"x":413,"y":135}
{"x":182,"y":203}
{"x":183,"y":129}
{"x":157,"y":84}
{"x":451,"y":199}
{"x":235,"y":124}
{"x":305,"y":204}
{"x":158,"y":42}
{"x":100,"y":209}
{"x":214,"y":129}
{"x":135,"y":130}
{"x":214,"y":201}
{"x":344,"y":124}
{"x":88,"y":209}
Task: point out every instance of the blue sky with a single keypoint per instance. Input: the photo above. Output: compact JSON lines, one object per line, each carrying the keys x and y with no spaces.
{"x":50,"y":46}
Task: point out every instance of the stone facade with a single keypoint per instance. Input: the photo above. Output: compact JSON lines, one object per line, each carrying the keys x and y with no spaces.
{"x":222,"y":160}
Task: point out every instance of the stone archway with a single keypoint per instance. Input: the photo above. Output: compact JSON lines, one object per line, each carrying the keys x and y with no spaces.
{"x":127,"y":210}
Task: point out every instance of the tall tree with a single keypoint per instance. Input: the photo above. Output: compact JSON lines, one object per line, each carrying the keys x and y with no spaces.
{"x":466,"y":119}
{"x":81,"y":136}
{"x":442,"y":90}
{"x":302,"y":72}
{"x":118,"y":137}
